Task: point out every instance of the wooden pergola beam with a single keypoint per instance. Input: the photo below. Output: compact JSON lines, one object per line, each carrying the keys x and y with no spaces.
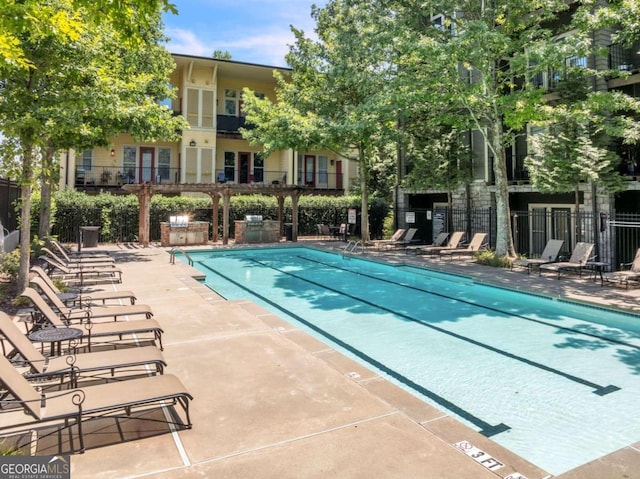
{"x":217,"y":191}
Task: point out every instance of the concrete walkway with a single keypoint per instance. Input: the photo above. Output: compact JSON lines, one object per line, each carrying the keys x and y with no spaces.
{"x":273,"y":402}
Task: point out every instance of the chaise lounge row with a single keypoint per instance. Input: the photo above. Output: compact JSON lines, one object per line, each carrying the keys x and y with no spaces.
{"x":120,"y":372}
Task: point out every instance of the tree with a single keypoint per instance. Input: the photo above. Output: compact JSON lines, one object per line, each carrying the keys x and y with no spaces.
{"x":221,"y":55}
{"x":36,"y":17}
{"x":574,"y":147}
{"x":335,"y":97}
{"x":79,"y":91}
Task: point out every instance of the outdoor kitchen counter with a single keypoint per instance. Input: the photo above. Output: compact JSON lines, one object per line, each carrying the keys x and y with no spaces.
{"x":256,"y":230}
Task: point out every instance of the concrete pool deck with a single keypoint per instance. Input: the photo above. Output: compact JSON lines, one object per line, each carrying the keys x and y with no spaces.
{"x":271,"y":401}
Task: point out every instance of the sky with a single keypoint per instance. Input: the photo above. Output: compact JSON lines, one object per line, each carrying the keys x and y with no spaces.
{"x":253,"y":31}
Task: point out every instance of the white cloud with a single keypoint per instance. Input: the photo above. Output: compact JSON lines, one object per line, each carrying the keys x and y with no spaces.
{"x":186,"y":42}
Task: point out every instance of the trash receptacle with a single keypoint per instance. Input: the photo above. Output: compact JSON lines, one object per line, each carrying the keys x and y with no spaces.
{"x":90,"y":236}
{"x":288,"y":231}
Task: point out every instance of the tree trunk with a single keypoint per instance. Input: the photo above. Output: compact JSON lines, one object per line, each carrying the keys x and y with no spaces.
{"x":44,"y":225}
{"x":364,"y":217}
{"x":25,"y":217}
{"x":576,"y":197}
{"x":504,"y":236}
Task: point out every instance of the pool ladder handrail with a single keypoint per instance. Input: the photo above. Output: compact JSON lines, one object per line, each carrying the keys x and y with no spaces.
{"x":352,"y":247}
{"x":174,"y":251}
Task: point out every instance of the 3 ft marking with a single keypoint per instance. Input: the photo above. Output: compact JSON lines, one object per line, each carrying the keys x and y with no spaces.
{"x":479,"y":455}
{"x":485,"y":459}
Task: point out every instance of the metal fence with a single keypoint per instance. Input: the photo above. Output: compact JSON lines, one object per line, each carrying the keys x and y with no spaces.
{"x":9,"y":193}
{"x":616,"y":236}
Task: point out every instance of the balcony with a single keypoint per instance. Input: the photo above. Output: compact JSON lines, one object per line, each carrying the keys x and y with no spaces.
{"x":227,"y":124}
{"x":112,"y":177}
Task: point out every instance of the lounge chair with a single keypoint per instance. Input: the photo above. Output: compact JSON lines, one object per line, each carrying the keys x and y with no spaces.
{"x":577,"y":262}
{"x":549,"y":255}
{"x":81,"y":275}
{"x":92,"y":312}
{"x":625,"y":276}
{"x":93,"y":330}
{"x":437,"y":243}
{"x":131,"y":359}
{"x":395,"y":237}
{"x":83,"y":262}
{"x":83,"y":297}
{"x":80,"y":257}
{"x":475,"y":245}
{"x":70,"y":407}
{"x":405,"y":241}
{"x":454,"y":241}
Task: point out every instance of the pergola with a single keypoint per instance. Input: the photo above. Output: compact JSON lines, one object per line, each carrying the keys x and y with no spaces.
{"x":217,"y":191}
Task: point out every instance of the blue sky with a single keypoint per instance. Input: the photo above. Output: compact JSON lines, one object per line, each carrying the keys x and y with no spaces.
{"x":254,"y":31}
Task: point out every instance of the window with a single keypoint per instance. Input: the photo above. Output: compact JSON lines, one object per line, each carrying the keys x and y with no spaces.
{"x":129,"y":163}
{"x":258,"y":167}
{"x":168,"y":102}
{"x":87,"y":160}
{"x":229,"y":166}
{"x":323,"y":175}
{"x":230,"y":102}
{"x":443,"y":24}
{"x":164,"y":164}
{"x":200,"y":108}
{"x":551,"y":77}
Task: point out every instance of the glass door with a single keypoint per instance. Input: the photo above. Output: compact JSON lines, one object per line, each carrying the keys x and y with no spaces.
{"x":146,"y":164}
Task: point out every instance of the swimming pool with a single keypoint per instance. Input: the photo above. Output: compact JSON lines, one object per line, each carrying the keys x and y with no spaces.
{"x":554,"y":381}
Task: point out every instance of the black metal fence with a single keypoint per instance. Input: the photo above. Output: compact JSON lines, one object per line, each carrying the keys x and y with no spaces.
{"x":616,"y":236}
{"x":9,"y":194}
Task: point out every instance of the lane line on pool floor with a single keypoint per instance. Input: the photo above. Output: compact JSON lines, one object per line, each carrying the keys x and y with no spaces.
{"x":598,"y":389}
{"x":478,"y":305}
{"x":485,"y":428}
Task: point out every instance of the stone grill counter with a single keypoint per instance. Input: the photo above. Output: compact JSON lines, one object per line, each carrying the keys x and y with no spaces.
{"x":184,"y":234}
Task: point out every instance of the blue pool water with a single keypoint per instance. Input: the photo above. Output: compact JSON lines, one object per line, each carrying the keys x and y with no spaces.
{"x":554,"y":381}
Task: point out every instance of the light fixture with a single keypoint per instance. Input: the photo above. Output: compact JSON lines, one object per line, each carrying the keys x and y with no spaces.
{"x":192,"y":143}
{"x":332,"y":162}
{"x":112,"y":153}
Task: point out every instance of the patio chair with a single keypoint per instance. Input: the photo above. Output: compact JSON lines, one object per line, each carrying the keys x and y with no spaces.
{"x":323,"y":231}
{"x":61,"y":366}
{"x":45,"y":314}
{"x":454,"y":241}
{"x":577,"y":262}
{"x":78,"y":262}
{"x":92,"y":312}
{"x":476,"y":244}
{"x":549,"y":255}
{"x":81,"y":275}
{"x":79,"y":257}
{"x":625,"y":276}
{"x":70,"y":407}
{"x":85,"y":297}
{"x":405,"y":241}
{"x":437,"y":243}
{"x":395,"y":237}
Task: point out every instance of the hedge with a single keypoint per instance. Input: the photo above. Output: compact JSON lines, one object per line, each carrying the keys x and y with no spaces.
{"x":117,"y":215}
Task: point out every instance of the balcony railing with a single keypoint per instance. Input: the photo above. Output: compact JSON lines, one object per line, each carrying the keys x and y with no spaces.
{"x":623,"y":59}
{"x":231,"y":124}
{"x":114,"y":177}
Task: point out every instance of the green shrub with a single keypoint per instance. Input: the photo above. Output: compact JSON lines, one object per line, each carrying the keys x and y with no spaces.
{"x":117,"y":215}
{"x":10,"y":263}
{"x":489,"y":258}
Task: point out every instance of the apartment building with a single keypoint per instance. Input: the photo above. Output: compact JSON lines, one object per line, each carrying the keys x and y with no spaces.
{"x":543,"y":215}
{"x":212,"y":150}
